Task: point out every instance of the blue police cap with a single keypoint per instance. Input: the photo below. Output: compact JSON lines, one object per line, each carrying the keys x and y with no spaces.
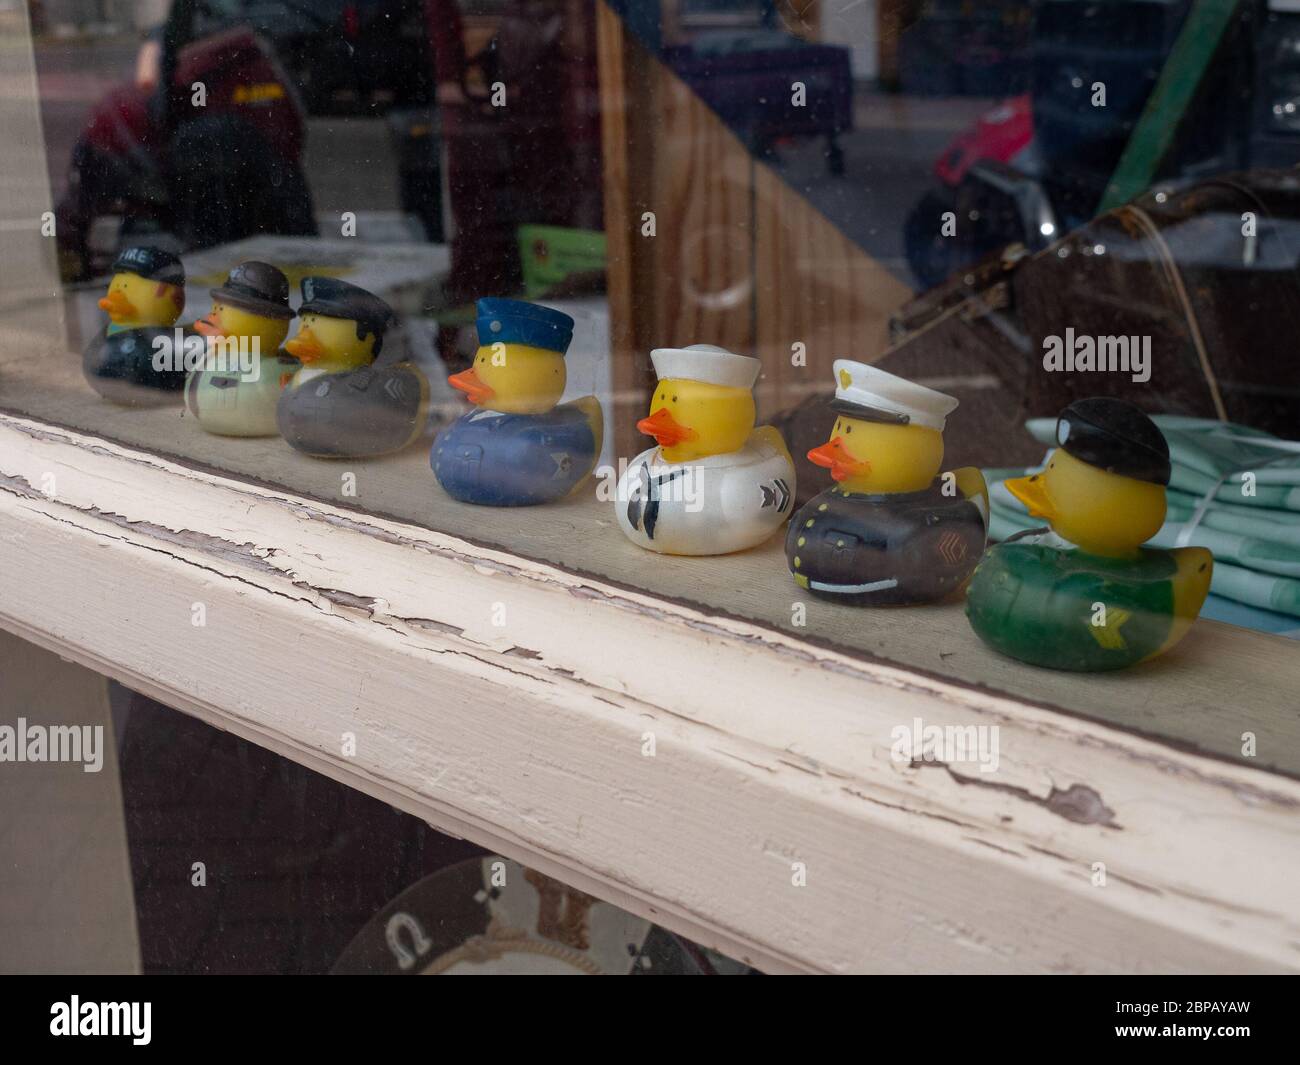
{"x":502,"y":321}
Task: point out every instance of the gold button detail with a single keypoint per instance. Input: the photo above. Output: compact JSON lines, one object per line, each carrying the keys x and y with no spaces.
{"x":801,"y":541}
{"x":797,"y":561}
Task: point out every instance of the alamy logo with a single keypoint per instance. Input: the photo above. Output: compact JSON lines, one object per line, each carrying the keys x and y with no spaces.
{"x":228,"y":355}
{"x":132,"y":1019}
{"x":1079,"y":353}
{"x":53,"y":743}
{"x":949,"y":744}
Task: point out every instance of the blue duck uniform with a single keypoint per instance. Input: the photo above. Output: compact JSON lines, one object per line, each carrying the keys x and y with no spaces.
{"x":514,"y":460}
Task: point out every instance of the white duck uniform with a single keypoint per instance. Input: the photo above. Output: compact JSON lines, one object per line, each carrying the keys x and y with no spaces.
{"x":711,"y":506}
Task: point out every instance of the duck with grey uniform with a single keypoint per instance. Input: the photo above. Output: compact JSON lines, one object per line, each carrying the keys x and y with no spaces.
{"x":250,"y":313}
{"x":891,"y":530}
{"x":714,"y":483}
{"x":145,"y":297}
{"x":344,"y":402}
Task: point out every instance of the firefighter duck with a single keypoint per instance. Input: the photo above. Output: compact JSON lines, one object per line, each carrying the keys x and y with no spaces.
{"x":137,"y":362}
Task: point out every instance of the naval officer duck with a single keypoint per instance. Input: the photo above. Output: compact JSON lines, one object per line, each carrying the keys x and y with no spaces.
{"x":891,"y":530}
{"x":713,"y":483}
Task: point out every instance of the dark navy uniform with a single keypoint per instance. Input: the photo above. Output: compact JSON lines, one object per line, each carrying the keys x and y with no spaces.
{"x":120,"y":364}
{"x":514,"y":460}
{"x":896,"y":548}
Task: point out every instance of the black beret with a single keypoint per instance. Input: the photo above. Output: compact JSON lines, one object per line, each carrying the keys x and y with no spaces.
{"x":1116,"y":437}
{"x":153,"y":264}
{"x":338,"y":299}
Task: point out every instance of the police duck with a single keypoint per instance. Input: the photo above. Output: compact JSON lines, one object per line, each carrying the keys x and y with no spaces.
{"x":236,"y":392}
{"x":343,"y":403}
{"x":1088,"y":595}
{"x":145,"y":297}
{"x":713,"y":483}
{"x":519,"y":446}
{"x":891,"y":530}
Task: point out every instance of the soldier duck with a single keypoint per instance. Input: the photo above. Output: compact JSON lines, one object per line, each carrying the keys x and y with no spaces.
{"x":137,"y":362}
{"x":1088,"y":596}
{"x":518,"y":447}
{"x":891,"y":530}
{"x":236,"y":392}
{"x":342,"y":403}
{"x":713,"y":483}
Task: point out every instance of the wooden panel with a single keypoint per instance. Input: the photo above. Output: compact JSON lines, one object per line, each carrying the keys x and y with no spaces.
{"x":815,"y":287}
{"x":666,"y":153}
{"x":740,"y":258}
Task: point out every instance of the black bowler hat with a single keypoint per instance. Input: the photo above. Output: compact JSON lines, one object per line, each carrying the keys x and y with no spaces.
{"x":153,"y":264}
{"x":1116,"y":437}
{"x":338,"y":299}
{"x":256,"y":287}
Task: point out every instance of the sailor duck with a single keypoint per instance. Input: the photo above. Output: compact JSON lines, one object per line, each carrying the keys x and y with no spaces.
{"x":891,"y":530}
{"x":1088,"y":596}
{"x":145,"y":297}
{"x":343,"y":403}
{"x":518,"y":447}
{"x":713,"y":483}
{"x":236,"y":393}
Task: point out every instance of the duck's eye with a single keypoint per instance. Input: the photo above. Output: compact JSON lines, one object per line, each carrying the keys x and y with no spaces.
{"x":674,"y":399}
{"x":848,"y":429}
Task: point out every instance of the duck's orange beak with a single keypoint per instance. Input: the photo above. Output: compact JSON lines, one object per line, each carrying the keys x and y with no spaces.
{"x":667,"y":430}
{"x":475,"y":388}
{"x":117,"y":306}
{"x":834,"y":456}
{"x":210,"y":326}
{"x":304,"y":347}
{"x":1032,"y":492}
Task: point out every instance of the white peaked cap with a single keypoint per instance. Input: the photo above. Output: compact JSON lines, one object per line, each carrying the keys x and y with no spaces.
{"x":881,"y":393}
{"x":708,"y":363}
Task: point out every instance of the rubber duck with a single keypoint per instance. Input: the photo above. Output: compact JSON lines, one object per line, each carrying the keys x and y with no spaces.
{"x":713,"y":483}
{"x":236,"y":392}
{"x":1088,"y":596}
{"x":342,"y":403}
{"x":520,"y":446}
{"x":135,"y":363}
{"x":892,"y":530}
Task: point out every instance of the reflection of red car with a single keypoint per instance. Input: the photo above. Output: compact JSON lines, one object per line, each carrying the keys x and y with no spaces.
{"x":212,"y":153}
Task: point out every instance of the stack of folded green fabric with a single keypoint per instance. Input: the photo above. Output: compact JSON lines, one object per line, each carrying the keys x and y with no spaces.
{"x":1234,"y":490}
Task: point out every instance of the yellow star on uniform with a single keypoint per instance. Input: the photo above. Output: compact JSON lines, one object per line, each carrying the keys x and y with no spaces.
{"x":1108,"y":635}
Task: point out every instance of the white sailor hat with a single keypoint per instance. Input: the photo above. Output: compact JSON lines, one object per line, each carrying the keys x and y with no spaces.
{"x":708,"y":363}
{"x":862,"y":391}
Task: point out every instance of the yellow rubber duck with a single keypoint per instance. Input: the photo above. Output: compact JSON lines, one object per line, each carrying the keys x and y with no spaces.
{"x":153,"y":299}
{"x":520,"y":446}
{"x":139,"y":360}
{"x":236,"y":392}
{"x":1108,"y":602}
{"x":714,"y":483}
{"x":341,"y":404}
{"x":891,"y":530}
